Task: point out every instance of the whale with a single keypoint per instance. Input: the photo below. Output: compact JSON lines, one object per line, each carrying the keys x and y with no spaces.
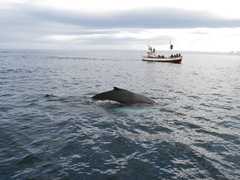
{"x":123,"y":96}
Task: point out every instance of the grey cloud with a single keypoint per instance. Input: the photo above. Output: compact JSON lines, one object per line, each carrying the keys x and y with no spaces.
{"x":111,"y":40}
{"x":139,"y":18}
{"x":30,"y":25}
{"x":34,"y":21}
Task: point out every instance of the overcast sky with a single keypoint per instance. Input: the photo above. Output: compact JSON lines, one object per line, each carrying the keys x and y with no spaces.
{"x":206,"y":25}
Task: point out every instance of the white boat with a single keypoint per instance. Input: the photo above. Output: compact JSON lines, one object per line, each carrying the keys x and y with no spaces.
{"x":153,"y":56}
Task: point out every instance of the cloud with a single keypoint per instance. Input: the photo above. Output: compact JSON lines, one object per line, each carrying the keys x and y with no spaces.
{"x":25,"y":25}
{"x":138,"y":18}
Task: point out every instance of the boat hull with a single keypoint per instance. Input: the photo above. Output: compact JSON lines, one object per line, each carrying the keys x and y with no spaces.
{"x":177,"y":60}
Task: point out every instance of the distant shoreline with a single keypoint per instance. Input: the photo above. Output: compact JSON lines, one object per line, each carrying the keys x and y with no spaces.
{"x":3,"y":50}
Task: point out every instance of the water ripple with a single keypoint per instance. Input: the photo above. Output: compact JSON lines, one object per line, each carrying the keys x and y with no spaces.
{"x":50,"y":128}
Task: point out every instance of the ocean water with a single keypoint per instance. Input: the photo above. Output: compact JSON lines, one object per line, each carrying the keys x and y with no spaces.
{"x":51,"y":129}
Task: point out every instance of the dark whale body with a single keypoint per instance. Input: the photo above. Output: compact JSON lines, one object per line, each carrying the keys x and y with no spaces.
{"x":123,"y":96}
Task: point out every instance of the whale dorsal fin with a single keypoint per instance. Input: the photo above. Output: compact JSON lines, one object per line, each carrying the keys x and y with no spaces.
{"x":116,"y":88}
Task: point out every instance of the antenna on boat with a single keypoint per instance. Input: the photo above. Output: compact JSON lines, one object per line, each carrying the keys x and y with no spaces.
{"x":171,"y":45}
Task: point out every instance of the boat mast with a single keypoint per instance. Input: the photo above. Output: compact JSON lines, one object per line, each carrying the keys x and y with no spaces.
{"x":171,"y":46}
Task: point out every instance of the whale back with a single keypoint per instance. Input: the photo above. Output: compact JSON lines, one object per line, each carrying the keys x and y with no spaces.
{"x":123,"y":96}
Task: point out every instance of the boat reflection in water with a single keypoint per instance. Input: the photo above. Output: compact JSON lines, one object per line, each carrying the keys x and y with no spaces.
{"x":153,"y":56}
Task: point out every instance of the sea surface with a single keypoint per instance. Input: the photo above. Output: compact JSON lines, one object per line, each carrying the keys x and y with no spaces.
{"x":50,"y":128}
